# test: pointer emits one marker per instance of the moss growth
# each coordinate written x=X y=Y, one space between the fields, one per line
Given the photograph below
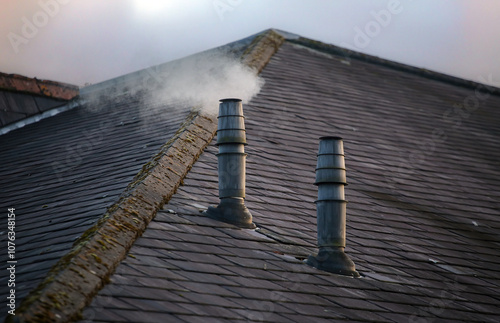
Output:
x=190 y=138
x=173 y=171
x=109 y=239
x=54 y=300
x=103 y=245
x=79 y=316
x=257 y=55
x=96 y=257
x=106 y=280
x=163 y=149
x=77 y=271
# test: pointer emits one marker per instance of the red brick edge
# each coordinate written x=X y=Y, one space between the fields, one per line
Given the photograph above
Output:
x=51 y=89
x=79 y=275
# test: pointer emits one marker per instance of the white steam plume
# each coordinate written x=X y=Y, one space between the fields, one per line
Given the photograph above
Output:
x=202 y=80
x=197 y=81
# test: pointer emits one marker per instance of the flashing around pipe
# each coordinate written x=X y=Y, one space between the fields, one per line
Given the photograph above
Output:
x=331 y=210
x=231 y=139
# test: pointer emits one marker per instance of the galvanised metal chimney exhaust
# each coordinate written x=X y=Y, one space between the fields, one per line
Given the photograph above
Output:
x=231 y=139
x=331 y=209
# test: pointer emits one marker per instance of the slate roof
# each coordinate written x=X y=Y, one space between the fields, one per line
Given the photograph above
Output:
x=423 y=171
x=63 y=172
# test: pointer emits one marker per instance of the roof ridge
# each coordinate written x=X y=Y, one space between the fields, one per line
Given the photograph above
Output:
x=83 y=271
x=107 y=242
x=263 y=47
x=429 y=74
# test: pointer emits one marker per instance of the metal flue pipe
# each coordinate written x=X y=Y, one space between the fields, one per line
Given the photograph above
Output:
x=231 y=140
x=331 y=209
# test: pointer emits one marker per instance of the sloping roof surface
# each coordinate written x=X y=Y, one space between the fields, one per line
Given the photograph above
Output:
x=423 y=212
x=63 y=172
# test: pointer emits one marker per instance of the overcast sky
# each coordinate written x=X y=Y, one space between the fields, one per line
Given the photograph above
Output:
x=88 y=41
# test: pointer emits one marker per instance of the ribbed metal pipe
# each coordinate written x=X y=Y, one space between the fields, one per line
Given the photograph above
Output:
x=331 y=203
x=331 y=209
x=231 y=139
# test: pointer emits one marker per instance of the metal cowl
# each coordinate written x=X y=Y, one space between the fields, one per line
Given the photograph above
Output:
x=231 y=140
x=231 y=122
x=331 y=210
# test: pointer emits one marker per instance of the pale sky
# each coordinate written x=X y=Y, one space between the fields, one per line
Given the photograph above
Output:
x=88 y=41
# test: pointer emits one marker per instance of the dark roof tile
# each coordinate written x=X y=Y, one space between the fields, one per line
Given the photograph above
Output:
x=261 y=316
x=127 y=315
x=203 y=319
x=104 y=316
x=210 y=310
x=206 y=278
x=254 y=272
x=149 y=305
x=209 y=288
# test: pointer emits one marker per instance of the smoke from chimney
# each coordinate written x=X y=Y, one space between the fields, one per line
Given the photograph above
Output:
x=197 y=81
